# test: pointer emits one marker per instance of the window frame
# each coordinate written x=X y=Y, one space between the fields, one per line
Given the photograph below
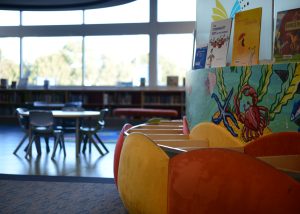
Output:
x=153 y=28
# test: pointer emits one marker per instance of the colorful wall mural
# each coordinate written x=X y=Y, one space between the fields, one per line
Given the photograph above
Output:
x=248 y=101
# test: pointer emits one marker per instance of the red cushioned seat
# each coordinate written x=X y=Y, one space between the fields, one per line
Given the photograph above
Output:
x=118 y=150
x=145 y=112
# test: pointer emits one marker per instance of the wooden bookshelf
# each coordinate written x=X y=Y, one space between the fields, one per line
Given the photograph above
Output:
x=95 y=98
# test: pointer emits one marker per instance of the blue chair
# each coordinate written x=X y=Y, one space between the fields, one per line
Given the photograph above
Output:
x=68 y=125
x=41 y=124
x=24 y=124
x=89 y=129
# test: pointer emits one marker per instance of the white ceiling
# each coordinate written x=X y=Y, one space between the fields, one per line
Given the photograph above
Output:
x=40 y=5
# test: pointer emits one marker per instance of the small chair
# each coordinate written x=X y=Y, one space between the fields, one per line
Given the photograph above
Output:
x=24 y=124
x=89 y=129
x=41 y=124
x=74 y=105
x=68 y=125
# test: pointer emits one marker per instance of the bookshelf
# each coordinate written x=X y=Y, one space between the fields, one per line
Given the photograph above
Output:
x=94 y=98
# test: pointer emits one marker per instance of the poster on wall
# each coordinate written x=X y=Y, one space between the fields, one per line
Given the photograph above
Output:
x=287 y=36
x=209 y=11
x=246 y=38
x=218 y=43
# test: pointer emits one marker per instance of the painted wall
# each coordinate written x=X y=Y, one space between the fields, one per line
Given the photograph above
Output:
x=247 y=101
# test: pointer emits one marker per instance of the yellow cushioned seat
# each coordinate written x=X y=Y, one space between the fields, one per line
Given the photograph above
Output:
x=217 y=136
x=143 y=175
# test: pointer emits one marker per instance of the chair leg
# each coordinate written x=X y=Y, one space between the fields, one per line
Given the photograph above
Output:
x=95 y=144
x=101 y=142
x=90 y=146
x=26 y=147
x=59 y=142
x=80 y=141
x=55 y=147
x=21 y=142
x=85 y=140
x=29 y=147
x=38 y=145
x=62 y=139
x=47 y=144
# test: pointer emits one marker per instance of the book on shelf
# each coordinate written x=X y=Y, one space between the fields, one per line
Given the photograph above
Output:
x=172 y=81
x=287 y=36
x=246 y=37
x=218 y=43
x=200 y=57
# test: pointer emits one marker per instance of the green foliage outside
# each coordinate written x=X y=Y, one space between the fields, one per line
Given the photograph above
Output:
x=8 y=69
x=65 y=67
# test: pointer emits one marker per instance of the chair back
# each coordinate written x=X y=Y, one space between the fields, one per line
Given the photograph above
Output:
x=39 y=104
x=103 y=114
x=41 y=119
x=73 y=106
x=95 y=122
x=23 y=120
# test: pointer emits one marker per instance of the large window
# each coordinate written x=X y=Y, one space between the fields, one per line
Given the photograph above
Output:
x=57 y=59
x=174 y=56
x=116 y=60
x=134 y=12
x=176 y=10
x=52 y=18
x=10 y=59
x=101 y=47
x=9 y=18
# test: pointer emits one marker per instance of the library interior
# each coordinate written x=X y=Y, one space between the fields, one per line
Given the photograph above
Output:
x=160 y=106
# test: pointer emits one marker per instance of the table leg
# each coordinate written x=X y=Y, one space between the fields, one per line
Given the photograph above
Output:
x=77 y=137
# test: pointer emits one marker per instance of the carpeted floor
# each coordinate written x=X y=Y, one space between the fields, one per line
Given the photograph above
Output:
x=58 y=194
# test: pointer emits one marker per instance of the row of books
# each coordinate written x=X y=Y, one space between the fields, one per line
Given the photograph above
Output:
x=246 y=40
x=51 y=98
x=9 y=98
x=163 y=99
x=105 y=98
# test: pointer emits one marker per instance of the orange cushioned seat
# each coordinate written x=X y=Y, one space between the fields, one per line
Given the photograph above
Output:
x=279 y=143
x=224 y=181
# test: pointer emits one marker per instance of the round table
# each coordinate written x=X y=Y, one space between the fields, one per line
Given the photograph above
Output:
x=76 y=115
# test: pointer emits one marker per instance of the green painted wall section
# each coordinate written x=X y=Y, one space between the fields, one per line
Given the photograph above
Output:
x=253 y=100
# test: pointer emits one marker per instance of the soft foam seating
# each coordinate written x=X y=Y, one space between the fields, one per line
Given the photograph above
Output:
x=224 y=181
x=209 y=180
x=145 y=112
x=280 y=143
x=118 y=150
x=143 y=175
x=217 y=136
